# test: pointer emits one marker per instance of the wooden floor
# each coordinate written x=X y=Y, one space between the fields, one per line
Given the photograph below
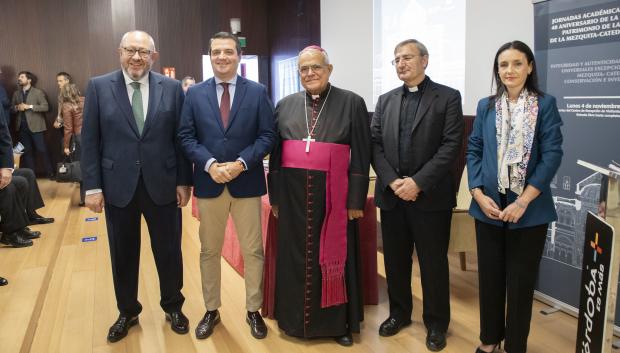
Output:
x=60 y=299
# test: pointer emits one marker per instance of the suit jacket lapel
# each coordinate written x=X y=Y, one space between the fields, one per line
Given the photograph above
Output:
x=425 y=103
x=155 y=94
x=240 y=90
x=212 y=102
x=392 y=116
x=119 y=91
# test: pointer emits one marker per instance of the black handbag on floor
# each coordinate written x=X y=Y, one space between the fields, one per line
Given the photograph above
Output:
x=68 y=171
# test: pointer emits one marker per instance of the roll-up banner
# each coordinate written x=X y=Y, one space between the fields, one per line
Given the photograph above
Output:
x=577 y=45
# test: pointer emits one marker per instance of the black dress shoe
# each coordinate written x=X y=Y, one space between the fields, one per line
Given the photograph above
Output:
x=27 y=233
x=206 y=325
x=119 y=329
x=178 y=322
x=3 y=281
x=258 y=329
x=435 y=340
x=392 y=326
x=36 y=218
x=346 y=340
x=15 y=240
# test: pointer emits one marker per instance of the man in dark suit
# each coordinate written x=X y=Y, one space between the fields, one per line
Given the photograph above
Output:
x=227 y=128
x=416 y=130
x=133 y=165
x=30 y=104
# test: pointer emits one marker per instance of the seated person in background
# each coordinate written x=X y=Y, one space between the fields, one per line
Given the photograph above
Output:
x=27 y=185
x=13 y=218
x=14 y=222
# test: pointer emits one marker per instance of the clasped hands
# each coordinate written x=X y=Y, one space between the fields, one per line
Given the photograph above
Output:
x=406 y=189
x=512 y=213
x=225 y=172
x=22 y=107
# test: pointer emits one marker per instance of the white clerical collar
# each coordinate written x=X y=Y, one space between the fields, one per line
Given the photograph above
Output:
x=413 y=89
x=315 y=96
x=232 y=81
x=143 y=81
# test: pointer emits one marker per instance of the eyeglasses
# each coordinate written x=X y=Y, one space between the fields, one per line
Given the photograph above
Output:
x=404 y=58
x=144 y=53
x=304 y=70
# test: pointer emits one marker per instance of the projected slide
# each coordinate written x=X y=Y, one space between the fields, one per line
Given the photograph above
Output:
x=439 y=24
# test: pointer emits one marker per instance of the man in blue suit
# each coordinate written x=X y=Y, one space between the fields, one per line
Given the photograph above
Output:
x=133 y=166
x=227 y=128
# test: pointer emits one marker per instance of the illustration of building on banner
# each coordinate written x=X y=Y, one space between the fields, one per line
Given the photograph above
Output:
x=565 y=236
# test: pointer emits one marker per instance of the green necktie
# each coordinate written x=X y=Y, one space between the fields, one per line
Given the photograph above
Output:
x=136 y=106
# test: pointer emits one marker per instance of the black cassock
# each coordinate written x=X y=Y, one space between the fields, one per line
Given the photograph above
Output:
x=300 y=196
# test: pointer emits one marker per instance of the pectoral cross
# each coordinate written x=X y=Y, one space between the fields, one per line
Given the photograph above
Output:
x=308 y=140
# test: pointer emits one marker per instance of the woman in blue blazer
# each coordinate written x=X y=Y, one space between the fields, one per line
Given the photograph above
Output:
x=513 y=153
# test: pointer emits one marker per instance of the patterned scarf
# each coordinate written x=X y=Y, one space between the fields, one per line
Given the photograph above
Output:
x=515 y=133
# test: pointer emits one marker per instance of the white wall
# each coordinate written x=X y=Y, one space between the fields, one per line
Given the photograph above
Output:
x=346 y=34
x=489 y=24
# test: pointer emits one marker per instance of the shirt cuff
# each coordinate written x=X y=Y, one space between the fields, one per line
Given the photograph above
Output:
x=209 y=162
x=93 y=191
x=245 y=165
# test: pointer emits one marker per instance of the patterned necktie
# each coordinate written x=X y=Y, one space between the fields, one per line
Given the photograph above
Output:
x=225 y=104
x=136 y=106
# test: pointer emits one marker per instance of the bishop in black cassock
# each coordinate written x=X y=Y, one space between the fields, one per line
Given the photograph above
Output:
x=322 y=114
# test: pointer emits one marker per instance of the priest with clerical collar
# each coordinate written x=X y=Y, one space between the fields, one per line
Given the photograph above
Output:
x=318 y=182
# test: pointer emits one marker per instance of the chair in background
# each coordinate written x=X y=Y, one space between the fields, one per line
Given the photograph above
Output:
x=462 y=232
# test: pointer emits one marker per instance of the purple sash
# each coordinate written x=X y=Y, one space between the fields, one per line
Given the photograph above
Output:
x=333 y=159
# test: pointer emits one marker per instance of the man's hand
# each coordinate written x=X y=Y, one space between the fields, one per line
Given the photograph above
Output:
x=183 y=195
x=219 y=173
x=57 y=124
x=94 y=202
x=355 y=214
x=275 y=210
x=5 y=177
x=67 y=151
x=20 y=107
x=408 y=190
x=234 y=168
x=396 y=184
